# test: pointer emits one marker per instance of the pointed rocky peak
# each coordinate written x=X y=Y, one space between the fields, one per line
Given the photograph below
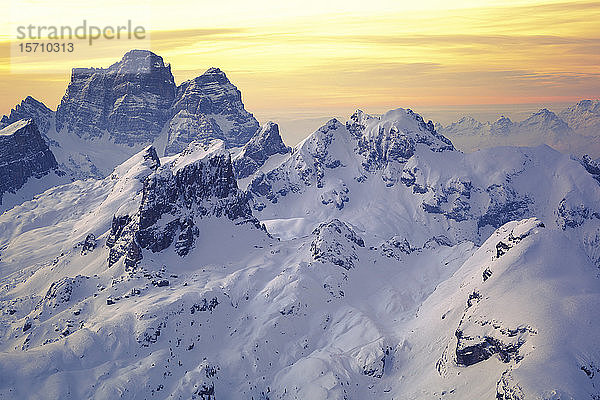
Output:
x=542 y=115
x=30 y=108
x=584 y=106
x=216 y=74
x=264 y=144
x=358 y=122
x=503 y=121
x=23 y=154
x=139 y=62
x=466 y=125
x=502 y=126
x=326 y=145
x=336 y=242
x=395 y=136
x=213 y=102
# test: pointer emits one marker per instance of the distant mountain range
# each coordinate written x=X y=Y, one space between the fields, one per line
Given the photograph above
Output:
x=575 y=129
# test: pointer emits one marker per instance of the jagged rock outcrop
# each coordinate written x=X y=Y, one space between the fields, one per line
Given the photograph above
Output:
x=209 y=106
x=130 y=99
x=264 y=144
x=336 y=242
x=200 y=183
x=30 y=108
x=358 y=122
x=23 y=155
x=591 y=166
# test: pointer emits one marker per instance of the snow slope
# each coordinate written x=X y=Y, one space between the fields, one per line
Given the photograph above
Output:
x=392 y=266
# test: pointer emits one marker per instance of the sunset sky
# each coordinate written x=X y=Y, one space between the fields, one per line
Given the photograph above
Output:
x=295 y=60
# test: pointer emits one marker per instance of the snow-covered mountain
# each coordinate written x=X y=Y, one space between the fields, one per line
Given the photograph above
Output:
x=372 y=261
x=583 y=117
x=574 y=130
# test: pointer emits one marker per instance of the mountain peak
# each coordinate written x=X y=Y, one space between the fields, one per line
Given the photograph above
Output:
x=265 y=143
x=214 y=71
x=212 y=103
x=139 y=61
x=30 y=108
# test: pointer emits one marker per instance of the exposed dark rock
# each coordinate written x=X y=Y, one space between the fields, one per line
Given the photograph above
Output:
x=264 y=144
x=508 y=389
x=503 y=246
x=336 y=196
x=180 y=196
x=89 y=244
x=130 y=100
x=209 y=107
x=336 y=242
x=358 y=122
x=573 y=215
x=61 y=291
x=309 y=165
x=396 y=247
x=205 y=305
x=487 y=273
x=451 y=200
x=23 y=155
x=397 y=143
x=505 y=205
x=591 y=166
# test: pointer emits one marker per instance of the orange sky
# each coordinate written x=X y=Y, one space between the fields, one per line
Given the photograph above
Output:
x=313 y=58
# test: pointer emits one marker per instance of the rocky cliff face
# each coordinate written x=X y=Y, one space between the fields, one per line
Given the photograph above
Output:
x=23 y=154
x=591 y=166
x=264 y=144
x=198 y=184
x=130 y=99
x=209 y=106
